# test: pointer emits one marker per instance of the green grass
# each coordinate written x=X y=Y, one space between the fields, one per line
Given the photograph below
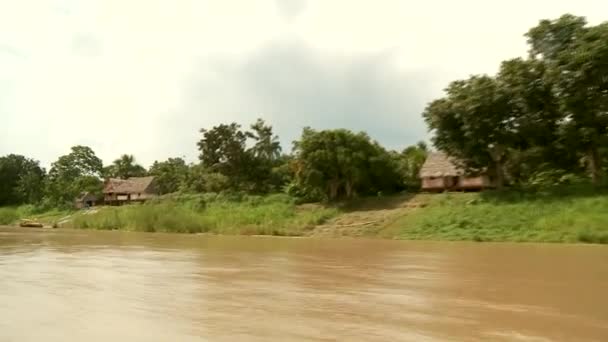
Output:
x=248 y=215
x=12 y=215
x=563 y=214
x=550 y=216
x=8 y=215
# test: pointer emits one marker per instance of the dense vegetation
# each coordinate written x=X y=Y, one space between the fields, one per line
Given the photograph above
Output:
x=544 y=117
x=540 y=122
x=324 y=165
x=564 y=214
x=211 y=213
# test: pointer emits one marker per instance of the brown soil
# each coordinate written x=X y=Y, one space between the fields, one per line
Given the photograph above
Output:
x=369 y=217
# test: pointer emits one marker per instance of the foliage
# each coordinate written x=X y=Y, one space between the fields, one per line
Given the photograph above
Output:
x=340 y=163
x=474 y=123
x=72 y=174
x=124 y=167
x=578 y=215
x=575 y=55
x=266 y=146
x=169 y=175
x=221 y=214
x=21 y=180
x=554 y=104
x=409 y=162
x=223 y=149
x=8 y=215
x=198 y=179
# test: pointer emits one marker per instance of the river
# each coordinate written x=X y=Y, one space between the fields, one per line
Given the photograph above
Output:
x=111 y=286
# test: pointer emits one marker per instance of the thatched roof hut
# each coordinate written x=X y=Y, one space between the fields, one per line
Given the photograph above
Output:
x=128 y=186
x=85 y=199
x=439 y=164
x=132 y=189
x=441 y=172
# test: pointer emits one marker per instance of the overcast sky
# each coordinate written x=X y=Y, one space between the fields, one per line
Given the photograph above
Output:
x=143 y=76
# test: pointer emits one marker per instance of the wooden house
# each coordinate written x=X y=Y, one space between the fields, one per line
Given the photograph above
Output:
x=86 y=200
x=135 y=189
x=442 y=173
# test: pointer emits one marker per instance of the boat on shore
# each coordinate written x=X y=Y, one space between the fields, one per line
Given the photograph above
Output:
x=30 y=224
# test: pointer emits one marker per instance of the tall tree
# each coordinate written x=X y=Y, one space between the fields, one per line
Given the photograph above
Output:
x=222 y=149
x=125 y=167
x=409 y=163
x=576 y=55
x=340 y=163
x=169 y=175
x=474 y=122
x=73 y=173
x=267 y=145
x=21 y=180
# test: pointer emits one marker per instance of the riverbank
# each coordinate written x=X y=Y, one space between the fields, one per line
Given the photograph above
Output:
x=567 y=215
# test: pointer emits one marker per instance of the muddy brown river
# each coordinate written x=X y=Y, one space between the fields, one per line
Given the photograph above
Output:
x=112 y=286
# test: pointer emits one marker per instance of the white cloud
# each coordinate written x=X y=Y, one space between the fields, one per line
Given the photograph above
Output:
x=142 y=77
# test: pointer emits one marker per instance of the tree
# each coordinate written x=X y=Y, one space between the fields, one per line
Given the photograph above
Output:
x=72 y=174
x=339 y=163
x=222 y=149
x=21 y=180
x=124 y=167
x=200 y=179
x=267 y=145
x=474 y=123
x=80 y=161
x=575 y=55
x=169 y=175
x=409 y=162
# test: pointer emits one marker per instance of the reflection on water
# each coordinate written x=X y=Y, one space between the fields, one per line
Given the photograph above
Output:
x=109 y=286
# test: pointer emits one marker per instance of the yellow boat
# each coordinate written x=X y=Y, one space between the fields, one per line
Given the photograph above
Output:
x=30 y=224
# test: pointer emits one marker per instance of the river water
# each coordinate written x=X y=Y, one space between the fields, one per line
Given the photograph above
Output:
x=112 y=286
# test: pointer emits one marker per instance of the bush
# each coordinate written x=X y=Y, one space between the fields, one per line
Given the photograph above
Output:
x=588 y=236
x=8 y=215
x=226 y=214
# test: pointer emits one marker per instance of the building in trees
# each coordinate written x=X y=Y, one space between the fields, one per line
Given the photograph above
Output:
x=118 y=191
x=85 y=200
x=441 y=172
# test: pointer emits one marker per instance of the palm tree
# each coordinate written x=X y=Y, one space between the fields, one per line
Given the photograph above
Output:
x=126 y=167
x=267 y=145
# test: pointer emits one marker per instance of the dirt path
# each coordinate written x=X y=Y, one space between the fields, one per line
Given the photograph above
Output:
x=370 y=217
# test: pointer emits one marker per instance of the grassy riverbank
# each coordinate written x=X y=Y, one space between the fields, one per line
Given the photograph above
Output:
x=559 y=215
x=11 y=215
x=566 y=214
x=218 y=214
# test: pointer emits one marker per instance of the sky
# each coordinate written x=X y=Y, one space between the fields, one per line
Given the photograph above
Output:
x=142 y=77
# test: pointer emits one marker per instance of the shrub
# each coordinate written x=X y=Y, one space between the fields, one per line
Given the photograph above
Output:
x=8 y=215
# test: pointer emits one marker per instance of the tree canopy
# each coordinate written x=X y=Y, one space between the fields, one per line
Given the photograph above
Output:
x=124 y=167
x=71 y=174
x=340 y=163
x=551 y=108
x=21 y=180
x=170 y=174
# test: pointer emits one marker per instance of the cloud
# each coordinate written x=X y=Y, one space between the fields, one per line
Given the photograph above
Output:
x=143 y=76
x=291 y=85
x=291 y=8
x=87 y=44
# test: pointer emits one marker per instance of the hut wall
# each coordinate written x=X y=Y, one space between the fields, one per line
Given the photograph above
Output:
x=429 y=183
x=475 y=183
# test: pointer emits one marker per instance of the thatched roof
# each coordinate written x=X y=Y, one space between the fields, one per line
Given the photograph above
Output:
x=86 y=196
x=438 y=164
x=132 y=185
